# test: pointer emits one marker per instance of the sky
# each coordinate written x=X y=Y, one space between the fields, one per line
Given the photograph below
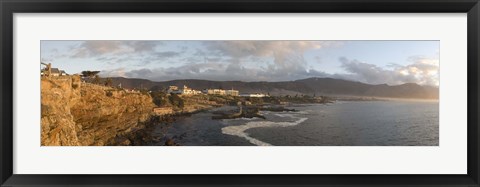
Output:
x=372 y=62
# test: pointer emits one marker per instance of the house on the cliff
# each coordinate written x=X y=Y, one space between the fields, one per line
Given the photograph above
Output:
x=185 y=91
x=49 y=71
x=57 y=72
x=189 y=91
x=173 y=89
x=254 y=95
x=231 y=92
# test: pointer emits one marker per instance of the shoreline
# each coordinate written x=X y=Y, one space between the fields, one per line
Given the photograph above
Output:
x=366 y=98
x=143 y=136
x=259 y=132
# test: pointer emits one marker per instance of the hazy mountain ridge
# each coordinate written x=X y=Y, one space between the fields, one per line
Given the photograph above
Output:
x=310 y=86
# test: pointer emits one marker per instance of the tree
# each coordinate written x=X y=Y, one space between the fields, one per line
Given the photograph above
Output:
x=96 y=80
x=176 y=100
x=108 y=82
x=90 y=73
x=159 y=98
x=256 y=100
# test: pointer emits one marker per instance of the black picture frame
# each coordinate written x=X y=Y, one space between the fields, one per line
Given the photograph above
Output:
x=9 y=7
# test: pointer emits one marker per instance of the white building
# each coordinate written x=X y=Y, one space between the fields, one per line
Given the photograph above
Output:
x=185 y=91
x=231 y=92
x=57 y=72
x=254 y=95
x=214 y=91
x=173 y=89
x=188 y=91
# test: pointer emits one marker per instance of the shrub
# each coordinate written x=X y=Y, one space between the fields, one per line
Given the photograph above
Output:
x=160 y=98
x=176 y=100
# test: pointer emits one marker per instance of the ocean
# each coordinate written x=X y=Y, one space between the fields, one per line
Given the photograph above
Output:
x=344 y=123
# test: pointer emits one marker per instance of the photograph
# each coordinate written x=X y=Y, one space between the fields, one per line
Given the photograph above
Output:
x=239 y=92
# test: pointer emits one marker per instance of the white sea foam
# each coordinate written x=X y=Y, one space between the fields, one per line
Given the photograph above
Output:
x=240 y=119
x=303 y=112
x=284 y=115
x=264 y=112
x=240 y=130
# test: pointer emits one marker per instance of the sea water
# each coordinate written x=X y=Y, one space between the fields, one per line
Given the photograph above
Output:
x=344 y=123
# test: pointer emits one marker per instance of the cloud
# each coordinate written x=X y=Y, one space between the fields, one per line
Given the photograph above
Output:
x=240 y=49
x=144 y=72
x=318 y=59
x=288 y=58
x=222 y=71
x=237 y=60
x=142 y=46
x=46 y=60
x=95 y=48
x=244 y=60
x=52 y=55
x=422 y=70
x=109 y=60
x=155 y=58
x=166 y=54
x=119 y=72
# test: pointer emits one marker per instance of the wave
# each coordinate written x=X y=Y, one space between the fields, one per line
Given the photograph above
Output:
x=284 y=115
x=304 y=112
x=240 y=130
x=240 y=119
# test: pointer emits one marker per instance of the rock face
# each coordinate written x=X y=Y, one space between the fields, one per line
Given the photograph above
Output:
x=77 y=114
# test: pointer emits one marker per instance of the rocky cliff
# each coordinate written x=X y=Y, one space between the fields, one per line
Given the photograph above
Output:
x=75 y=113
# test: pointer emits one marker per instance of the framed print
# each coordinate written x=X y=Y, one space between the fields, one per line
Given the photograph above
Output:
x=257 y=93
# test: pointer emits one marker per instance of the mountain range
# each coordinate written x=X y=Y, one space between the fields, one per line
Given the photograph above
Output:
x=309 y=86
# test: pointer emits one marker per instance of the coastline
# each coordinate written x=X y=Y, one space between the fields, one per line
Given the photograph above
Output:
x=142 y=135
x=312 y=125
x=216 y=110
x=364 y=98
x=103 y=115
